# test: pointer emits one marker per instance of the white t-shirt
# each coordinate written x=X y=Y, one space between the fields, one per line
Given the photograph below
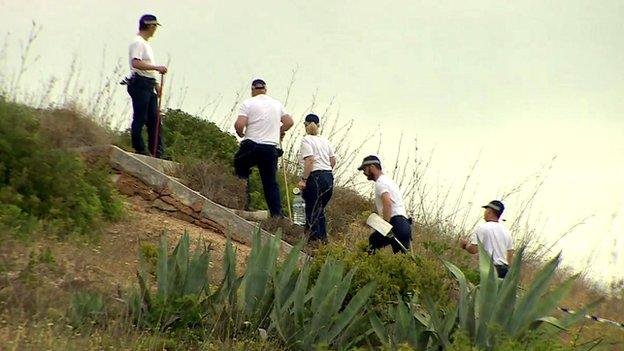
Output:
x=320 y=148
x=385 y=184
x=495 y=239
x=264 y=119
x=140 y=49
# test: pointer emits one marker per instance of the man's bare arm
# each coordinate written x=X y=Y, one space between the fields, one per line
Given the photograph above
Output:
x=510 y=254
x=239 y=125
x=287 y=122
x=386 y=201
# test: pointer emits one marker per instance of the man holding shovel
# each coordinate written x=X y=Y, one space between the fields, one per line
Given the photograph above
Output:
x=144 y=89
x=494 y=237
x=389 y=204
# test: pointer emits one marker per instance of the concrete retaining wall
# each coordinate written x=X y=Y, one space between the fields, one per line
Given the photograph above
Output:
x=151 y=172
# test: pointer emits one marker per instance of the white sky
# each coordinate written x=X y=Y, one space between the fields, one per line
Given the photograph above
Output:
x=511 y=83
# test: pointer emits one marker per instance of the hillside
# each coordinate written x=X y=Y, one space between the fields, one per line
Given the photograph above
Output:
x=82 y=267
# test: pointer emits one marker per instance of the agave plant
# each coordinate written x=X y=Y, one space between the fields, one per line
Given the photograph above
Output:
x=407 y=325
x=181 y=278
x=244 y=303
x=496 y=304
x=304 y=317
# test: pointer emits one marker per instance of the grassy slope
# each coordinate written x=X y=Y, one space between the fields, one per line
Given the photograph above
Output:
x=38 y=275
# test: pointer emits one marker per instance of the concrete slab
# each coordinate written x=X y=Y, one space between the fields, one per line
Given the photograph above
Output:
x=151 y=173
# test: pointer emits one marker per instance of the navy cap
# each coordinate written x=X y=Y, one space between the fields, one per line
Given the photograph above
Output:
x=369 y=160
x=149 y=19
x=312 y=118
x=497 y=206
x=258 y=83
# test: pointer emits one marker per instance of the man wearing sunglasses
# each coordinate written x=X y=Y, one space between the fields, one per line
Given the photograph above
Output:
x=262 y=122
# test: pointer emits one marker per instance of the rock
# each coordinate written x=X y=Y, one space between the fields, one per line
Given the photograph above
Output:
x=197 y=206
x=160 y=204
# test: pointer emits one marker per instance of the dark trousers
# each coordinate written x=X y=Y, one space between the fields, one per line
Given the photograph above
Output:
x=145 y=112
x=402 y=230
x=501 y=270
x=317 y=193
x=263 y=156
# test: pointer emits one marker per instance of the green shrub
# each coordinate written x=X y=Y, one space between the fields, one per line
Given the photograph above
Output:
x=187 y=136
x=49 y=184
x=86 y=309
x=396 y=275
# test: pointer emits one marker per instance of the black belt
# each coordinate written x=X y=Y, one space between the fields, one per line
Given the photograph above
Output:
x=321 y=171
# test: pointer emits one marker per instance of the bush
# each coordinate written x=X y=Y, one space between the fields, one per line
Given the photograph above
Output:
x=86 y=309
x=46 y=183
x=190 y=137
x=214 y=179
x=396 y=275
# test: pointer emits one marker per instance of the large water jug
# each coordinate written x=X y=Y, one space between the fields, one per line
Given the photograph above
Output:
x=298 y=207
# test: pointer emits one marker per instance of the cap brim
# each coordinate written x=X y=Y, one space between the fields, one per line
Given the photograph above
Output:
x=491 y=207
x=368 y=163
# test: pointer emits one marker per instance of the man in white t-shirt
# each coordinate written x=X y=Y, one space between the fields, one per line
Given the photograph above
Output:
x=389 y=204
x=262 y=122
x=494 y=237
x=144 y=89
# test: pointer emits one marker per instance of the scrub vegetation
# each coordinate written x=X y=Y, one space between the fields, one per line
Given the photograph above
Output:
x=58 y=209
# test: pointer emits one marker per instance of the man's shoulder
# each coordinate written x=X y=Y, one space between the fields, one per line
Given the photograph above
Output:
x=384 y=181
x=492 y=226
x=137 y=39
x=384 y=178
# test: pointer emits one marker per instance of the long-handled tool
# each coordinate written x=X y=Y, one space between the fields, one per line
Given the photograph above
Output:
x=384 y=228
x=286 y=185
x=157 y=130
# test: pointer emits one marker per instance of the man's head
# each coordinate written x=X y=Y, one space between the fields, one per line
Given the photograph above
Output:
x=258 y=86
x=371 y=166
x=493 y=210
x=148 y=24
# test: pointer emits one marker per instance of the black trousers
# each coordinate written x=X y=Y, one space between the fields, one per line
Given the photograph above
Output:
x=145 y=112
x=501 y=270
x=263 y=156
x=402 y=231
x=317 y=193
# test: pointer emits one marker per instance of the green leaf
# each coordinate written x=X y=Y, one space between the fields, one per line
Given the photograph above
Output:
x=508 y=293
x=354 y=307
x=464 y=292
x=486 y=297
x=379 y=328
x=162 y=269
x=525 y=309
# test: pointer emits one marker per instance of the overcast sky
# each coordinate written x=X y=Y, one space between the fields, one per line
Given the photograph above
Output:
x=513 y=84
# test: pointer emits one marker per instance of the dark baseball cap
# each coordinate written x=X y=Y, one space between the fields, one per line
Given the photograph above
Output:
x=496 y=205
x=369 y=160
x=149 y=19
x=258 y=83
x=312 y=118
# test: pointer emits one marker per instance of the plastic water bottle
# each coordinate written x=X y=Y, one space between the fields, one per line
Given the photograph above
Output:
x=298 y=207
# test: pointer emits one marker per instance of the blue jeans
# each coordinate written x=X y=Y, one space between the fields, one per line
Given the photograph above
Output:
x=402 y=231
x=263 y=156
x=145 y=112
x=317 y=193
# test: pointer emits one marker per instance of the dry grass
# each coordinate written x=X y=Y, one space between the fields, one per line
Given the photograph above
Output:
x=38 y=277
x=215 y=180
x=66 y=128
